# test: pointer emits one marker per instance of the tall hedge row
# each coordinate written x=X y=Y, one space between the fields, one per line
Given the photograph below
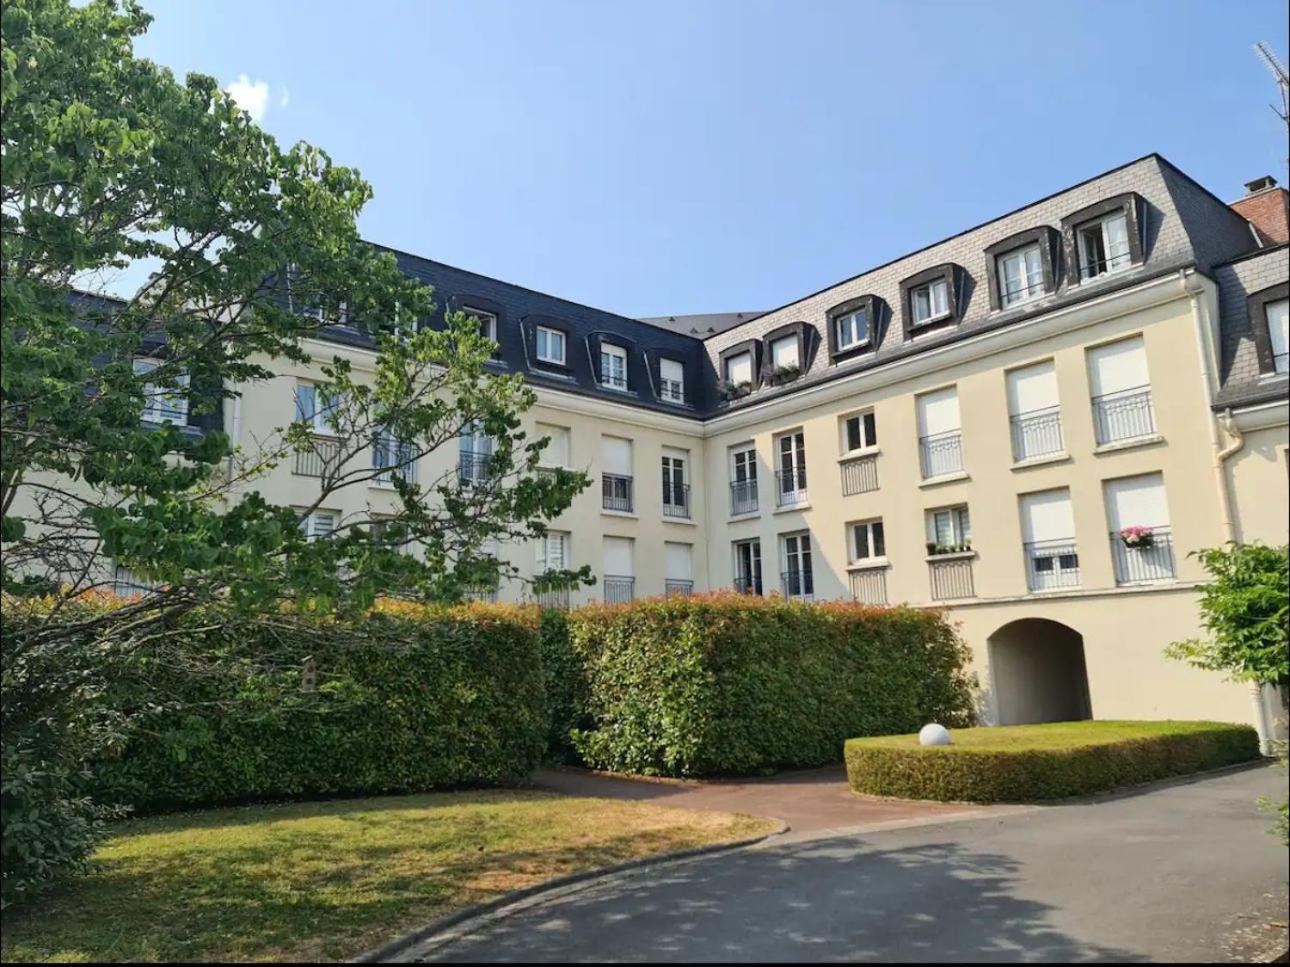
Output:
x=722 y=684
x=408 y=699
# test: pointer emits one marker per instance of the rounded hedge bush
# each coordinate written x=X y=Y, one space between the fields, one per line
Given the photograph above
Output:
x=1039 y=762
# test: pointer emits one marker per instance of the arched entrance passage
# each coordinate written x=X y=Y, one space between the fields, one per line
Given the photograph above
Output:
x=1038 y=674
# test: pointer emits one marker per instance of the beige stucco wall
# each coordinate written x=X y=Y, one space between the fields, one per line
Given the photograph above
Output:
x=1259 y=478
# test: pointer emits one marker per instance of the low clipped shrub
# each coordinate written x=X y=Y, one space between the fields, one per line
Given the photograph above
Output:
x=727 y=683
x=1036 y=762
x=407 y=698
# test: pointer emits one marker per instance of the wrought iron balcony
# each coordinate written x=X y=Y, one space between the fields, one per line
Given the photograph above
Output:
x=473 y=467
x=798 y=585
x=557 y=598
x=1124 y=415
x=618 y=588
x=1052 y=564
x=676 y=586
x=743 y=497
x=1149 y=560
x=616 y=492
x=790 y=487
x=859 y=476
x=869 y=586
x=322 y=455
x=941 y=453
x=1036 y=433
x=951 y=578
x=747 y=585
x=676 y=500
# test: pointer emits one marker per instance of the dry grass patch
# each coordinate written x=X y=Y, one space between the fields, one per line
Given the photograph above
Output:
x=326 y=881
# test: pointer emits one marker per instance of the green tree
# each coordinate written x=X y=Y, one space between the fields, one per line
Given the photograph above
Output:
x=1245 y=609
x=110 y=163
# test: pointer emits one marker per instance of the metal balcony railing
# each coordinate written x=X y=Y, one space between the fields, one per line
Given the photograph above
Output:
x=487 y=593
x=676 y=586
x=321 y=456
x=616 y=492
x=614 y=380
x=1036 y=433
x=951 y=578
x=473 y=467
x=869 y=586
x=1090 y=268
x=557 y=598
x=747 y=585
x=394 y=459
x=1012 y=295
x=1051 y=564
x=790 y=487
x=743 y=497
x=798 y=585
x=618 y=588
x=860 y=475
x=940 y=453
x=1146 y=562
x=676 y=500
x=1124 y=415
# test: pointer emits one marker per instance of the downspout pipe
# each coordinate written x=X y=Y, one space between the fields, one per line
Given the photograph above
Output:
x=1194 y=289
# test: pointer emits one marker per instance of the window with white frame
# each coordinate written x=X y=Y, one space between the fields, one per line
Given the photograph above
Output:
x=747 y=565
x=860 y=431
x=393 y=457
x=798 y=578
x=930 y=302
x=1034 y=411
x=743 y=479
x=318 y=524
x=1121 y=385
x=550 y=345
x=1278 y=314
x=553 y=551
x=784 y=356
x=852 y=329
x=676 y=492
x=475 y=451
x=940 y=437
x=613 y=366
x=949 y=529
x=487 y=321
x=790 y=451
x=316 y=407
x=1141 y=539
x=671 y=380
x=678 y=568
x=1103 y=245
x=1021 y=275
x=1048 y=533
x=557 y=451
x=162 y=404
x=739 y=369
x=868 y=541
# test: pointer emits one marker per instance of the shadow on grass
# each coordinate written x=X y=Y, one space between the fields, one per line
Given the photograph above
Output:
x=829 y=899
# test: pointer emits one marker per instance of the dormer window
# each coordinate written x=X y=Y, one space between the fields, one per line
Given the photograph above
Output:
x=613 y=366
x=671 y=381
x=487 y=321
x=1269 y=311
x=739 y=369
x=162 y=403
x=784 y=357
x=852 y=330
x=550 y=345
x=1103 y=245
x=930 y=303
x=1021 y=275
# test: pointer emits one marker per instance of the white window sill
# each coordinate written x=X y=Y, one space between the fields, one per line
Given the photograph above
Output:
x=550 y=362
x=945 y=478
x=1137 y=441
x=627 y=514
x=930 y=321
x=790 y=508
x=869 y=564
x=750 y=515
x=687 y=521
x=1060 y=456
x=625 y=390
x=859 y=454
x=956 y=556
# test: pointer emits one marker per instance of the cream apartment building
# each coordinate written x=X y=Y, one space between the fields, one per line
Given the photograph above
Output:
x=1030 y=425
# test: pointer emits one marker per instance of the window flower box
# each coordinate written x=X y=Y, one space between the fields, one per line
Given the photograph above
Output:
x=735 y=391
x=934 y=549
x=785 y=374
x=1134 y=537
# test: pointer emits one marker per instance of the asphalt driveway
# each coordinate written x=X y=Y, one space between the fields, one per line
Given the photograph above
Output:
x=1182 y=872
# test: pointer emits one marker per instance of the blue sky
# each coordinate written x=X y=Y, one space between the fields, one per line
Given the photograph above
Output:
x=671 y=157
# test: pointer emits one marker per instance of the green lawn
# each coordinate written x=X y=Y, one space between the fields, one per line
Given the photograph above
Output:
x=309 y=881
x=1050 y=735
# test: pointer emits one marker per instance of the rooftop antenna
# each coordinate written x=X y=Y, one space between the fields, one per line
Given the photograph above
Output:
x=1279 y=74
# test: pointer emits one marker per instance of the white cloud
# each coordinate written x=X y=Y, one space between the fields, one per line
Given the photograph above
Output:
x=285 y=99
x=251 y=96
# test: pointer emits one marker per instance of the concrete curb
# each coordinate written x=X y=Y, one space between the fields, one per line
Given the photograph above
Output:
x=389 y=951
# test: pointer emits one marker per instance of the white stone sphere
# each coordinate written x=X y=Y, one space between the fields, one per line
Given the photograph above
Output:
x=933 y=734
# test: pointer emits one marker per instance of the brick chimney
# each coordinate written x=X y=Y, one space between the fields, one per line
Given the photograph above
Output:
x=1265 y=207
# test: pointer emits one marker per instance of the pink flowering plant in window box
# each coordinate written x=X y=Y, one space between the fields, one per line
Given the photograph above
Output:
x=1137 y=536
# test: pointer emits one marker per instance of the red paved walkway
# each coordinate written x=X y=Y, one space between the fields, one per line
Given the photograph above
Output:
x=810 y=801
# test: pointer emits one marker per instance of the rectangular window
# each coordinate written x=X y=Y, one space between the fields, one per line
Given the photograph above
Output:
x=1121 y=391
x=671 y=380
x=868 y=540
x=676 y=493
x=1034 y=411
x=739 y=369
x=949 y=528
x=619 y=579
x=791 y=450
x=162 y=404
x=1279 y=334
x=1103 y=245
x=678 y=568
x=316 y=406
x=861 y=431
x=556 y=453
x=784 y=355
x=318 y=525
x=487 y=322
x=394 y=457
x=616 y=474
x=748 y=566
x=613 y=366
x=475 y=450
x=1021 y=275
x=1048 y=530
x=940 y=440
x=798 y=578
x=553 y=552
x=743 y=480
x=930 y=302
x=1141 y=539
x=852 y=330
x=550 y=345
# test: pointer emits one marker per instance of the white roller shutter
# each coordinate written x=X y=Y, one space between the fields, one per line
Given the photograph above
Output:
x=739 y=369
x=618 y=556
x=556 y=453
x=677 y=562
x=938 y=412
x=616 y=456
x=553 y=551
x=671 y=369
x=783 y=353
x=1118 y=367
x=1136 y=502
x=1047 y=516
x=1032 y=388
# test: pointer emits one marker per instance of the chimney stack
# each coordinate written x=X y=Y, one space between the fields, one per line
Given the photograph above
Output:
x=1260 y=184
x=1265 y=207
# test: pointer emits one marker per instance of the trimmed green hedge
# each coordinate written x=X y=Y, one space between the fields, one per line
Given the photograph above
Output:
x=1034 y=762
x=407 y=699
x=726 y=683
